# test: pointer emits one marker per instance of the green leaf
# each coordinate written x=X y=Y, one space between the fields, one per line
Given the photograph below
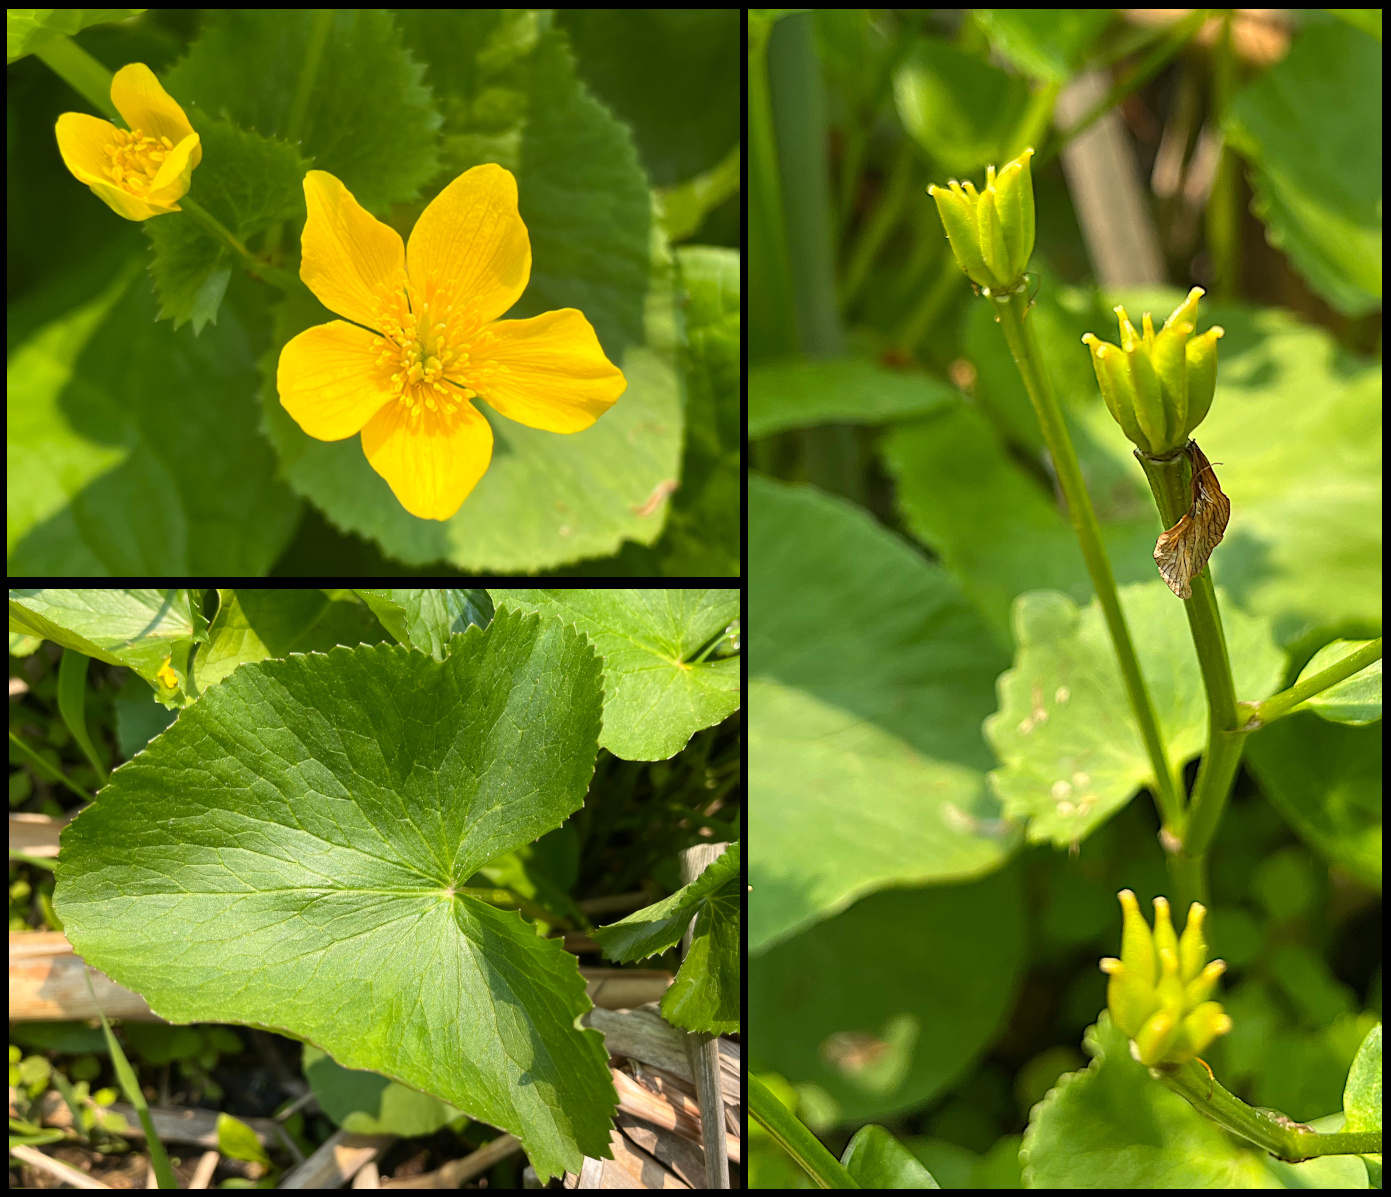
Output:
x=109 y=477
x=287 y=855
x=1320 y=203
x=879 y=1161
x=934 y=977
x=136 y=628
x=1325 y=780
x=253 y=624
x=798 y=394
x=1112 y=1126
x=704 y=535
x=236 y=1139
x=366 y=1103
x=1070 y=752
x=1356 y=699
x=871 y=675
x=426 y=619
x=705 y=995
x=656 y=693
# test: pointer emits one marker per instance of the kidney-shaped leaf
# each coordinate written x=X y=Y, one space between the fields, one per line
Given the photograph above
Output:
x=289 y=854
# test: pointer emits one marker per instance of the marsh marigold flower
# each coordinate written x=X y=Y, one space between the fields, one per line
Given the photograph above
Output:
x=425 y=339
x=141 y=171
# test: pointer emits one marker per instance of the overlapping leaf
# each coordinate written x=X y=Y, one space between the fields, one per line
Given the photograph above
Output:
x=657 y=694
x=289 y=855
x=137 y=628
x=705 y=995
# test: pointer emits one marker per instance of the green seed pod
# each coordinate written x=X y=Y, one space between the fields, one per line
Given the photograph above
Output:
x=991 y=231
x=1158 y=386
x=1159 y=988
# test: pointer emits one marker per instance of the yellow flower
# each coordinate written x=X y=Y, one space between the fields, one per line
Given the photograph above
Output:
x=425 y=339
x=141 y=172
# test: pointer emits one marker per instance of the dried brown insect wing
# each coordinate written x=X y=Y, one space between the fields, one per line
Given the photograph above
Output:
x=1183 y=550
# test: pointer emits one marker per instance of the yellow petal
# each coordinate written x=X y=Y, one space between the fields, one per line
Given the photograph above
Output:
x=471 y=241
x=328 y=382
x=553 y=375
x=145 y=106
x=352 y=262
x=431 y=463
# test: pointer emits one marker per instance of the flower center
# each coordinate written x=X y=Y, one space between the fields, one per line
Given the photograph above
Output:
x=136 y=159
x=432 y=353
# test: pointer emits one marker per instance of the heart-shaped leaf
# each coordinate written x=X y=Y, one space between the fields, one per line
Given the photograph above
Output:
x=292 y=853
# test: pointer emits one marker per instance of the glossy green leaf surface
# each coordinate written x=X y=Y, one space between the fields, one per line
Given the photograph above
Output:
x=287 y=855
x=366 y=1103
x=253 y=624
x=656 y=693
x=705 y=995
x=879 y=1161
x=1326 y=780
x=935 y=973
x=426 y=619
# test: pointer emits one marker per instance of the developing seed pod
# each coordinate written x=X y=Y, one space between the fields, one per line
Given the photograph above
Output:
x=991 y=231
x=1159 y=987
x=1158 y=386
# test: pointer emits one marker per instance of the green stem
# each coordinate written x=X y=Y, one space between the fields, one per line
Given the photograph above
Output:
x=252 y=264
x=1278 y=705
x=1281 y=1136
x=1012 y=312
x=795 y=1139
x=1170 y=480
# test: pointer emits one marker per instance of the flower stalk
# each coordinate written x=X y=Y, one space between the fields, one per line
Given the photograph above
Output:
x=991 y=233
x=1011 y=310
x=1278 y=1134
x=793 y=1137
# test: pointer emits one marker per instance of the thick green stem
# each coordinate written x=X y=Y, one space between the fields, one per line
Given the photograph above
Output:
x=1012 y=312
x=1171 y=481
x=795 y=1139
x=1278 y=1134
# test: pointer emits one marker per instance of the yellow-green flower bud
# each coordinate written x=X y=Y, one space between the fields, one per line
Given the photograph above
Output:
x=1158 y=989
x=991 y=231
x=1158 y=386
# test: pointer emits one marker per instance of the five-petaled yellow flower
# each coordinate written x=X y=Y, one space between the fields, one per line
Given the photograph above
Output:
x=141 y=172
x=425 y=339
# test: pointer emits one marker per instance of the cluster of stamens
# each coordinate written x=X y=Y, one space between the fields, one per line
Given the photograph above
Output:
x=136 y=159
x=431 y=350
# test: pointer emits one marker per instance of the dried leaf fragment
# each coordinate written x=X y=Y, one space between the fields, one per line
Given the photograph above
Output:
x=1183 y=550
